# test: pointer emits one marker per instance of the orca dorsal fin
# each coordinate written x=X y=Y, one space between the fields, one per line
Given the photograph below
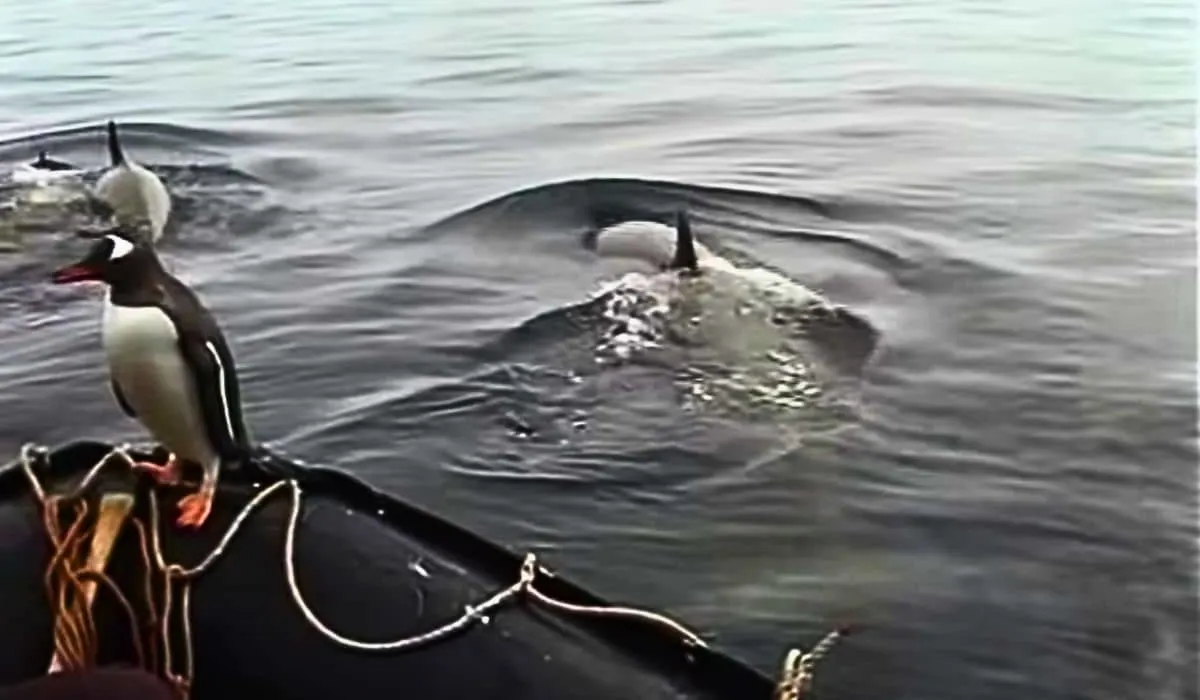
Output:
x=114 y=145
x=685 y=244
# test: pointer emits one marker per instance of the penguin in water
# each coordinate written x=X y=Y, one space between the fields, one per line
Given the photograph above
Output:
x=170 y=367
x=130 y=192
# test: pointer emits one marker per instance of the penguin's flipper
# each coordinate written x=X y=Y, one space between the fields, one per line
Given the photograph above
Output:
x=215 y=380
x=121 y=400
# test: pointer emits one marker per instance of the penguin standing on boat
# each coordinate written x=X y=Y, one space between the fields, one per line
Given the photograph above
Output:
x=130 y=192
x=170 y=367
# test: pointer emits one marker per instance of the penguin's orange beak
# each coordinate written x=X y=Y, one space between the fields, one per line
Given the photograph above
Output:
x=79 y=272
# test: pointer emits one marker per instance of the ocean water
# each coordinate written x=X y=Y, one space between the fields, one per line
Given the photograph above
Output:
x=992 y=471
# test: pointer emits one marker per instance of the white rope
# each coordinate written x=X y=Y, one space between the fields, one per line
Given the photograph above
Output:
x=27 y=460
x=208 y=561
x=795 y=677
x=524 y=584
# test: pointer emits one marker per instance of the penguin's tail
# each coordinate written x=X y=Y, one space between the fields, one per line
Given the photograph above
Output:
x=115 y=154
x=685 y=244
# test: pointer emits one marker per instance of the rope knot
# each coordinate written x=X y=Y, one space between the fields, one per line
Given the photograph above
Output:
x=528 y=570
x=795 y=679
x=796 y=676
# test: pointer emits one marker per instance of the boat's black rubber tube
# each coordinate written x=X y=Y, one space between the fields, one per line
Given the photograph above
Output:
x=373 y=568
x=92 y=684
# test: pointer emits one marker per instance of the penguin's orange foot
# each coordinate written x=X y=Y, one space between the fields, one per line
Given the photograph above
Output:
x=194 y=508
x=165 y=474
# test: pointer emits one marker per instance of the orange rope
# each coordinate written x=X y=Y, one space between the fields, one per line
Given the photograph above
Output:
x=67 y=578
x=100 y=577
x=75 y=636
x=150 y=626
x=74 y=629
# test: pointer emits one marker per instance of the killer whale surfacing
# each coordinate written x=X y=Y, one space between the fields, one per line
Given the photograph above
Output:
x=131 y=192
x=350 y=551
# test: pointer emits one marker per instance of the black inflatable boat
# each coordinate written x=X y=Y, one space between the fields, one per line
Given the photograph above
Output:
x=296 y=582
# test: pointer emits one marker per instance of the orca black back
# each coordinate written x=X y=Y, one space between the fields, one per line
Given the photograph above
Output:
x=45 y=162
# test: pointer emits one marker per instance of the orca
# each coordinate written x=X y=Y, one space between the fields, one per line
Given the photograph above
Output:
x=784 y=306
x=675 y=249
x=45 y=162
x=662 y=246
x=130 y=192
x=44 y=171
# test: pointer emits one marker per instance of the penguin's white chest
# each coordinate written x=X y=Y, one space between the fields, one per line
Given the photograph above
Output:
x=141 y=344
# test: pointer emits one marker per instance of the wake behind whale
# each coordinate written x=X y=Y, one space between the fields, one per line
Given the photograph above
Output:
x=738 y=340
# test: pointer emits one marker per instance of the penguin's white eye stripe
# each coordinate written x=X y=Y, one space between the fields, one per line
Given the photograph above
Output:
x=212 y=350
x=120 y=247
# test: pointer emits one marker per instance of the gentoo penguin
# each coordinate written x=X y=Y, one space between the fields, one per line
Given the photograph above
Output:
x=662 y=246
x=130 y=192
x=169 y=365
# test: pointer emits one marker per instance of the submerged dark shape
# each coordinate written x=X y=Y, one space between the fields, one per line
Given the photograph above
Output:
x=369 y=566
x=45 y=162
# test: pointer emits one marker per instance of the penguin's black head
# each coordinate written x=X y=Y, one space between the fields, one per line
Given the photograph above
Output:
x=114 y=258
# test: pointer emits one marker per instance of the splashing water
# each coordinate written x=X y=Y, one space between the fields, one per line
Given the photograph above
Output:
x=736 y=347
x=635 y=309
x=40 y=207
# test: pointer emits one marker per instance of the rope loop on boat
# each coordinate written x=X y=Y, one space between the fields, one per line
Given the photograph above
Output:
x=174 y=573
x=75 y=634
x=472 y=613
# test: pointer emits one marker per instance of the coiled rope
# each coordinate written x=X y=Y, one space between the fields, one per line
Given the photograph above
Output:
x=69 y=573
x=79 y=637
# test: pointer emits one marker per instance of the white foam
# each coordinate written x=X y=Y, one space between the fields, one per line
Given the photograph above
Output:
x=25 y=174
x=740 y=358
